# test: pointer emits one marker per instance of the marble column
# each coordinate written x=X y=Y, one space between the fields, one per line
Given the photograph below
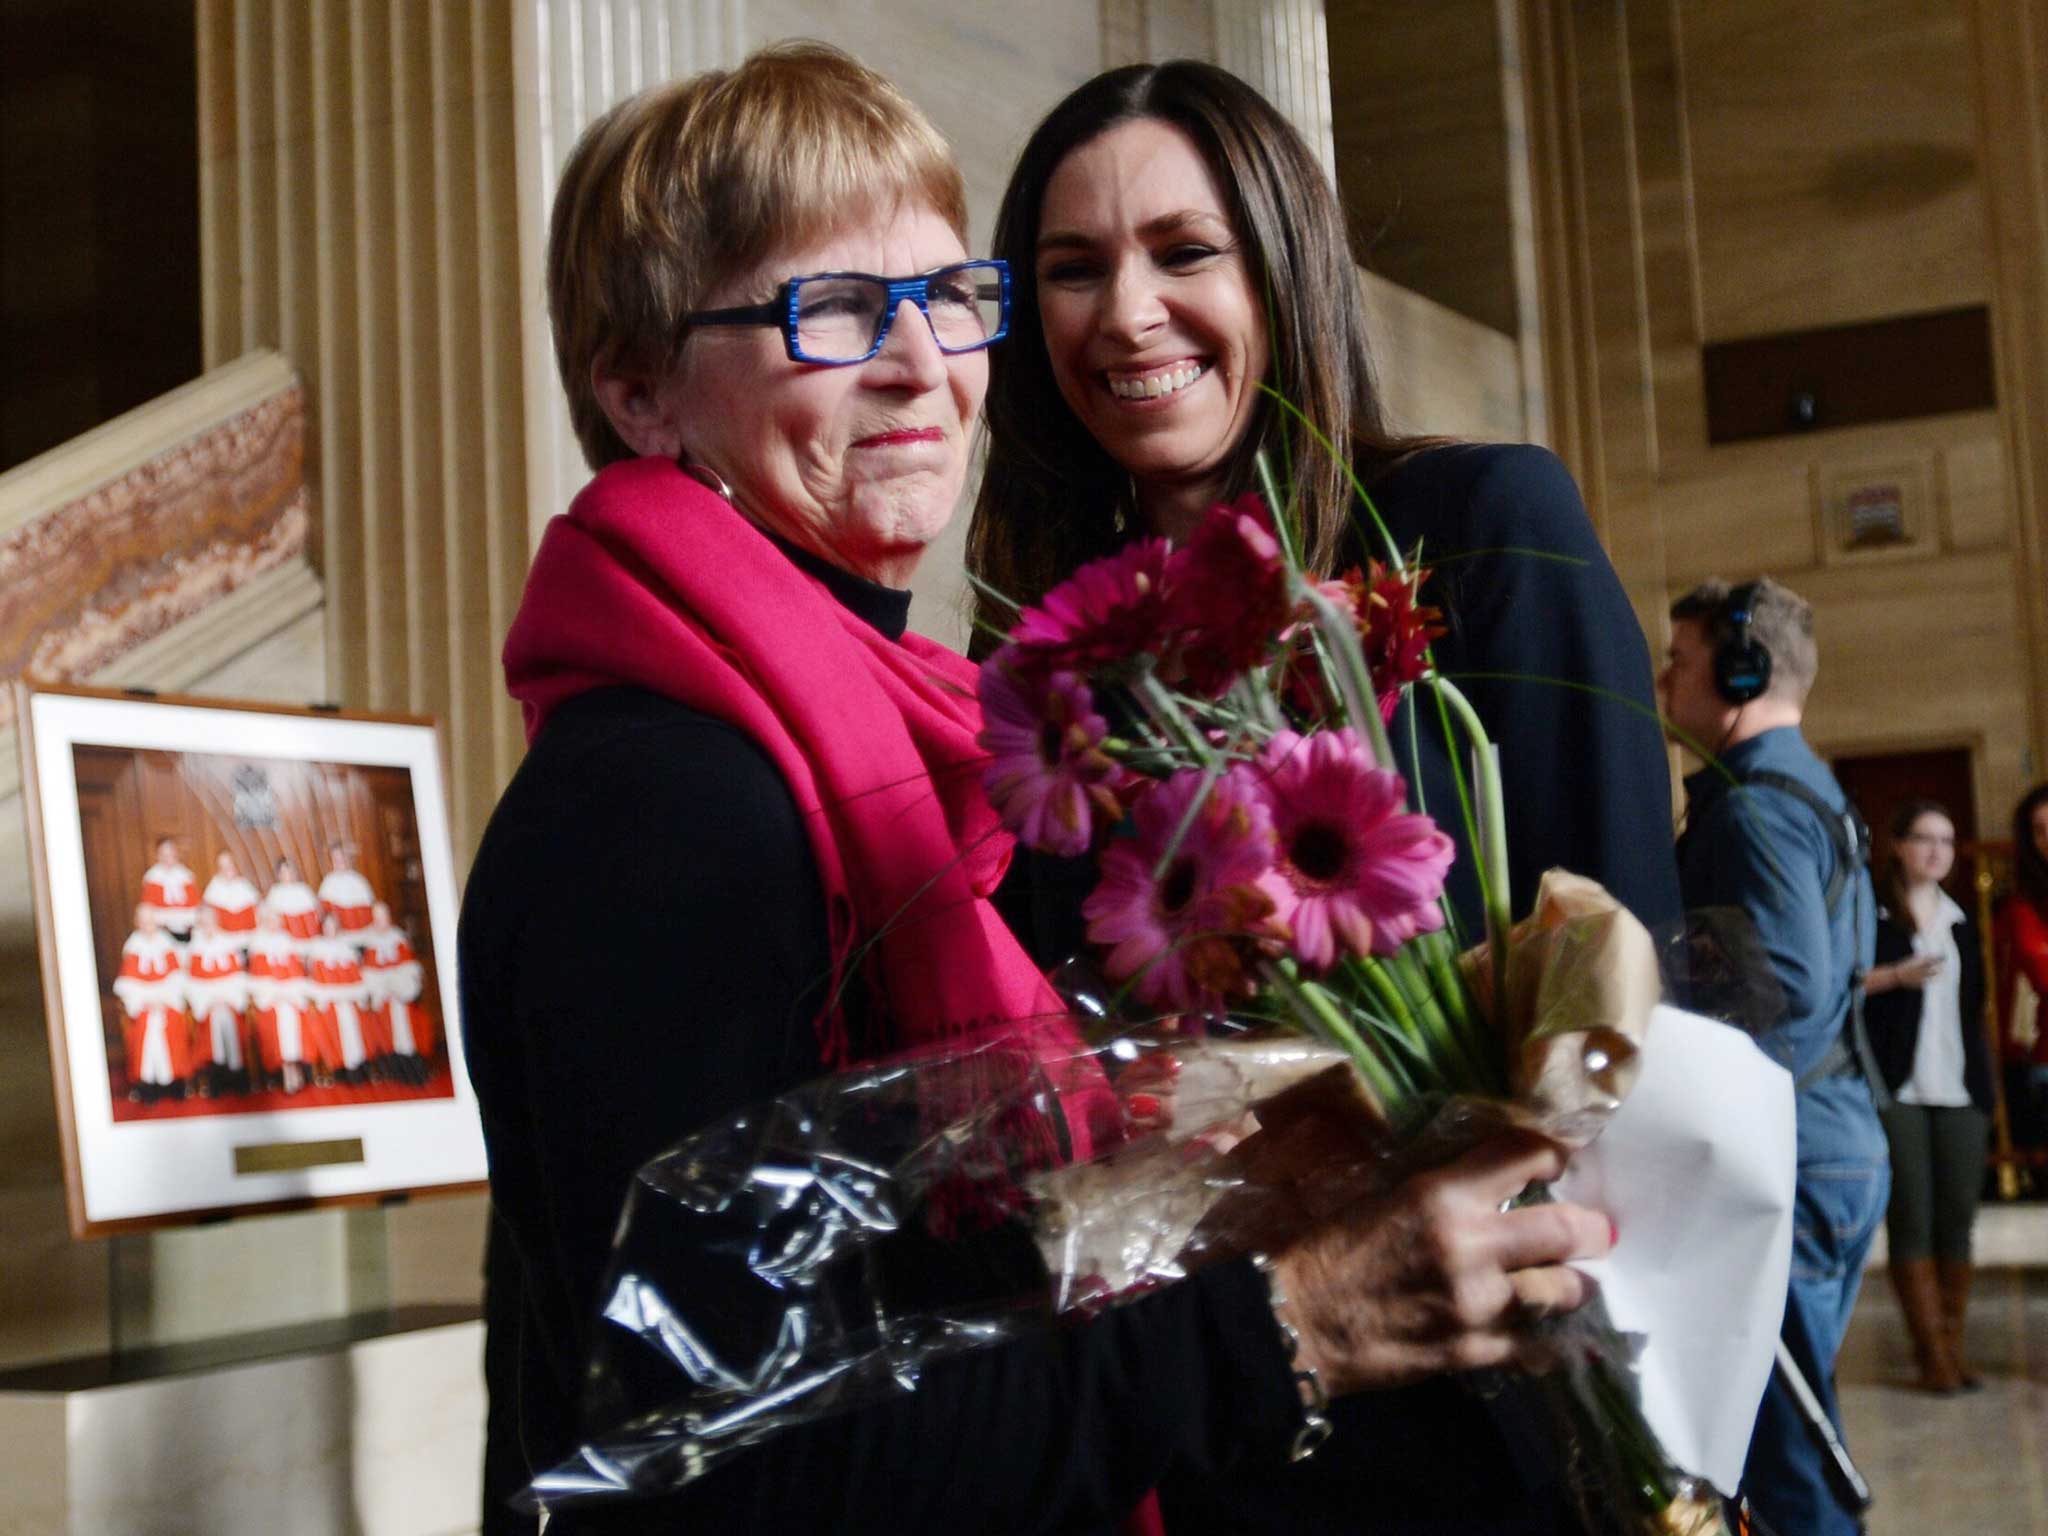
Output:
x=1280 y=46
x=571 y=61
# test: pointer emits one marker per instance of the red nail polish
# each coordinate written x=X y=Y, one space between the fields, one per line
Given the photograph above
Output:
x=1613 y=1232
x=1144 y=1106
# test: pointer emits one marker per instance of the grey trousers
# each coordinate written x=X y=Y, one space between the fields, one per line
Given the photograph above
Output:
x=1937 y=1176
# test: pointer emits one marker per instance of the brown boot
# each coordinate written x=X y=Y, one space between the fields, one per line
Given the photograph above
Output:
x=1920 y=1300
x=1955 y=1276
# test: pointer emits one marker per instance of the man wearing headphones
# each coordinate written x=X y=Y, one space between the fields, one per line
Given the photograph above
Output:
x=1769 y=831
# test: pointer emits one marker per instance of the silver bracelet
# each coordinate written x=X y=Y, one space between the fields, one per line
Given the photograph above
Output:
x=1315 y=1402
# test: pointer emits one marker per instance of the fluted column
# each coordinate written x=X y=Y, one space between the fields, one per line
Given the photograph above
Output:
x=2012 y=57
x=1280 y=46
x=572 y=59
x=1283 y=48
x=358 y=204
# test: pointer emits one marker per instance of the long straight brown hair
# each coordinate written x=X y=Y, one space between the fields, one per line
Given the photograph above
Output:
x=1051 y=499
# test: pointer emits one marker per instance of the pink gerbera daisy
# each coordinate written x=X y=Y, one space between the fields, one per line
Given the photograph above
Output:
x=1108 y=610
x=1187 y=936
x=1365 y=874
x=1049 y=776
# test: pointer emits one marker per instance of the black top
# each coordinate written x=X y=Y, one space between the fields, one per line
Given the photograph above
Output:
x=643 y=950
x=1893 y=1017
x=1544 y=643
x=1527 y=590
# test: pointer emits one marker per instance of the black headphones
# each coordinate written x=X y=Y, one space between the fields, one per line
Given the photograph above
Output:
x=1742 y=667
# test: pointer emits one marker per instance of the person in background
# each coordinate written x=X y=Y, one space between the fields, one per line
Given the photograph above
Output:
x=1768 y=831
x=1926 y=1020
x=279 y=990
x=217 y=992
x=231 y=899
x=158 y=1031
x=336 y=970
x=393 y=977
x=2022 y=948
x=344 y=892
x=297 y=908
x=171 y=890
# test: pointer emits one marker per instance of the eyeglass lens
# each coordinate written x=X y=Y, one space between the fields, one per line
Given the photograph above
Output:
x=837 y=318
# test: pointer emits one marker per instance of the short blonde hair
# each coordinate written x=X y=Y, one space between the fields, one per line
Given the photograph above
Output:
x=673 y=191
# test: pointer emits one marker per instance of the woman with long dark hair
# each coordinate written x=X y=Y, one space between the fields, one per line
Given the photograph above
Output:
x=1925 y=1015
x=1176 y=252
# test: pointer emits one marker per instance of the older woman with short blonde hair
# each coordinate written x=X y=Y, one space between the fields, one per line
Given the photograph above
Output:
x=747 y=844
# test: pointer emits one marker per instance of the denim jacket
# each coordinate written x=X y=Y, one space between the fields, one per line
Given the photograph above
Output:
x=1761 y=850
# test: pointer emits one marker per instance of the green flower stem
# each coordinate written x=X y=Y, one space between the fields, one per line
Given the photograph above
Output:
x=1257 y=702
x=1323 y=1017
x=1493 y=835
x=1454 y=996
x=1167 y=714
x=1448 y=1048
x=1354 y=678
x=1390 y=997
x=1621 y=1421
x=1171 y=851
x=1269 y=487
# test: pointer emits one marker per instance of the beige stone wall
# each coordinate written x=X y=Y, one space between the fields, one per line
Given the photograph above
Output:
x=1717 y=169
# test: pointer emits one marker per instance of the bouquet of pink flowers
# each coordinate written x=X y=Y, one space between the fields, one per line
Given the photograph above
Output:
x=1212 y=722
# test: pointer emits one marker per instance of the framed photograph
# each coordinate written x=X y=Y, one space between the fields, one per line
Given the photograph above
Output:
x=246 y=919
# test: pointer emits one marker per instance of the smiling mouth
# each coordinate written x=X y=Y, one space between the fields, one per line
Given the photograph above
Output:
x=1155 y=383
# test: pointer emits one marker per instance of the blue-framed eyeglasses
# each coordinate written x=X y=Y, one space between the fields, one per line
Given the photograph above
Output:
x=835 y=318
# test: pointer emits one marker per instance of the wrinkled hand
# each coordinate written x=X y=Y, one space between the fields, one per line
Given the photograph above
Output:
x=1432 y=1276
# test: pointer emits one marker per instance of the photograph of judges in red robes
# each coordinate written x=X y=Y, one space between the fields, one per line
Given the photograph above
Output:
x=298 y=972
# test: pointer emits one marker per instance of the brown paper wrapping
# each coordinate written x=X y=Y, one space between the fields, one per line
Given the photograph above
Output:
x=1582 y=979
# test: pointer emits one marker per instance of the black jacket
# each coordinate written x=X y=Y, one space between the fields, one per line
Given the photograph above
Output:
x=1893 y=1017
x=1544 y=643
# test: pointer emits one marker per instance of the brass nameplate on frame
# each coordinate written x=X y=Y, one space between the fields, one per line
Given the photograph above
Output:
x=291 y=1156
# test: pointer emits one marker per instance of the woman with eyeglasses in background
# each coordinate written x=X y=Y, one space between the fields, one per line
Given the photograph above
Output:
x=1925 y=1014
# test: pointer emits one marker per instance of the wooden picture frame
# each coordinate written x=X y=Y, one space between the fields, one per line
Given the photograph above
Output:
x=245 y=915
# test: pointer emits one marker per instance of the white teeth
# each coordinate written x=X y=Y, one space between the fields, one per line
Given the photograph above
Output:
x=1154 y=385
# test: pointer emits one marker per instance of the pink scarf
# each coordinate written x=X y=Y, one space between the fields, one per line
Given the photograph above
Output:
x=653 y=581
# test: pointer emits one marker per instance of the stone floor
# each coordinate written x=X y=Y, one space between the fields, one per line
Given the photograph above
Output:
x=1976 y=1463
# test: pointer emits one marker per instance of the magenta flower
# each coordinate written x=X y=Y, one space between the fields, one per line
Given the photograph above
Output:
x=1109 y=610
x=1049 y=776
x=1230 y=594
x=1365 y=874
x=1188 y=938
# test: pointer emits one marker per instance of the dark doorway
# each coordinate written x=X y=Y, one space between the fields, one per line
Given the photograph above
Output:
x=99 y=214
x=1881 y=783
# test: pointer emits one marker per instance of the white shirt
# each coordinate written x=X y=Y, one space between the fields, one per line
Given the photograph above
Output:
x=1937 y=1080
